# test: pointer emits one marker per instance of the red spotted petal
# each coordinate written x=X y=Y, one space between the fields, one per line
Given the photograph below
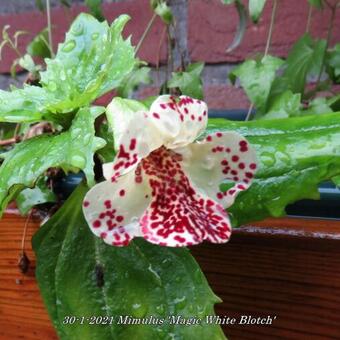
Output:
x=180 y=120
x=220 y=157
x=113 y=210
x=178 y=215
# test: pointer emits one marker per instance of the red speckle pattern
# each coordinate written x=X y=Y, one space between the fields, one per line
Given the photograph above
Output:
x=178 y=215
x=234 y=160
x=183 y=119
x=169 y=194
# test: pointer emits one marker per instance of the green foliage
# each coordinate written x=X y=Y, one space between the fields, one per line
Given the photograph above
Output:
x=189 y=81
x=316 y=3
x=257 y=77
x=39 y=46
x=71 y=150
x=93 y=60
x=107 y=153
x=161 y=8
x=256 y=8
x=294 y=154
x=318 y=106
x=24 y=105
x=138 y=76
x=286 y=104
x=78 y=274
x=95 y=8
x=305 y=58
x=28 y=198
x=333 y=63
x=279 y=94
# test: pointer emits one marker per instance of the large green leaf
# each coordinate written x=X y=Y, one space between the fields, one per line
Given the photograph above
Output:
x=294 y=154
x=189 y=81
x=93 y=59
x=71 y=150
x=29 y=198
x=286 y=104
x=256 y=77
x=305 y=58
x=256 y=8
x=78 y=274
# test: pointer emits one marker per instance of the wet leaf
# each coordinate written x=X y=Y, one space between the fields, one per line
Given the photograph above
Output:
x=78 y=274
x=294 y=154
x=71 y=150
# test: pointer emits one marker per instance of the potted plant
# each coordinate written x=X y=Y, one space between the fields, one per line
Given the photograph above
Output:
x=155 y=176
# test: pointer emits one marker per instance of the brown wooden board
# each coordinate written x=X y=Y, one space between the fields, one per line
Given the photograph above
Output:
x=288 y=268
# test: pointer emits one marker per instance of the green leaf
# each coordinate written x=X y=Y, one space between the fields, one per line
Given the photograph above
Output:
x=29 y=198
x=256 y=8
x=24 y=105
x=256 y=77
x=316 y=3
x=285 y=105
x=78 y=274
x=71 y=150
x=241 y=27
x=40 y=4
x=189 y=81
x=93 y=60
x=162 y=10
x=294 y=154
x=305 y=58
x=318 y=106
x=333 y=63
x=95 y=8
x=133 y=80
x=107 y=153
x=39 y=46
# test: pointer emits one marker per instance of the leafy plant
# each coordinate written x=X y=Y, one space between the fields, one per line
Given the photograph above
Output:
x=189 y=81
x=141 y=280
x=294 y=156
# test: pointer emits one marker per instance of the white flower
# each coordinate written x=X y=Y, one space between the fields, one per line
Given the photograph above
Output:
x=163 y=185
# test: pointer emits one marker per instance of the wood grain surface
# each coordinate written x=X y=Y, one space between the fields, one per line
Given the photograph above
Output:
x=288 y=268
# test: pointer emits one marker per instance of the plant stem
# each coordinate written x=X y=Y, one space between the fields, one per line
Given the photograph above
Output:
x=8 y=141
x=25 y=231
x=49 y=26
x=269 y=40
x=329 y=37
x=147 y=30
x=271 y=27
x=309 y=19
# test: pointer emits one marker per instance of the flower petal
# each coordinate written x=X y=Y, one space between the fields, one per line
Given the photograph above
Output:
x=220 y=157
x=112 y=210
x=138 y=138
x=179 y=121
x=177 y=215
x=137 y=133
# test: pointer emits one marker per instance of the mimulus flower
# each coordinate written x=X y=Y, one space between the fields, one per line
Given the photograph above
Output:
x=163 y=184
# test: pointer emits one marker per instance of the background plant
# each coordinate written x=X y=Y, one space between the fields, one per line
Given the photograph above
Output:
x=51 y=127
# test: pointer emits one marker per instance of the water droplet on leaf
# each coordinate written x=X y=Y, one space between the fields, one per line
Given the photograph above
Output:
x=69 y=46
x=94 y=36
x=78 y=160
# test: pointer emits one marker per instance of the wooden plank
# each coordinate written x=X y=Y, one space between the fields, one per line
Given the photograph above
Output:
x=288 y=268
